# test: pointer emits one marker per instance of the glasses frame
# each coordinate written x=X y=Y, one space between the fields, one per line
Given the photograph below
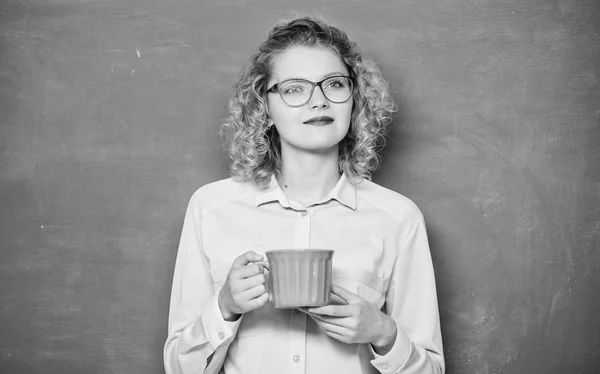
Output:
x=275 y=88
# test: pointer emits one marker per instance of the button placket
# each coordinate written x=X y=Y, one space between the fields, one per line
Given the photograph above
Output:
x=302 y=232
x=297 y=342
x=297 y=337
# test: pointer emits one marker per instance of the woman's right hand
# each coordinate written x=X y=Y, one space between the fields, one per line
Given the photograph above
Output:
x=244 y=289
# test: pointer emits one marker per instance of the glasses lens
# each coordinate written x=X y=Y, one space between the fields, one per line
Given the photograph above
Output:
x=337 y=89
x=295 y=92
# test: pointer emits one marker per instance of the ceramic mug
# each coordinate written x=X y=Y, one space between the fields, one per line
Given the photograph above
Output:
x=299 y=277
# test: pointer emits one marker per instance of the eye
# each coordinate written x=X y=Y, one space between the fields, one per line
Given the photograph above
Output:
x=337 y=83
x=293 y=89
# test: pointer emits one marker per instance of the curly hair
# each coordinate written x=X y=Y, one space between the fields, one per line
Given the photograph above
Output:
x=254 y=147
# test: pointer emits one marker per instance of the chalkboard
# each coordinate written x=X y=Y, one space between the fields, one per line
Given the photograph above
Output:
x=109 y=112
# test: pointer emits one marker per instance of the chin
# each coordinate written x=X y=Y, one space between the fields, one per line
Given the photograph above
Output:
x=315 y=143
x=320 y=147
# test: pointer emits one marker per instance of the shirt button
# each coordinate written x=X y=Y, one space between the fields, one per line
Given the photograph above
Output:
x=304 y=213
x=296 y=358
x=221 y=335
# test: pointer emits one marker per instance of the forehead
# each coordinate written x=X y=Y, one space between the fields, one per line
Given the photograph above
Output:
x=311 y=63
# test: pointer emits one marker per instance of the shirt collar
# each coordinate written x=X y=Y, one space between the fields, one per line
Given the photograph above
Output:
x=344 y=192
x=272 y=193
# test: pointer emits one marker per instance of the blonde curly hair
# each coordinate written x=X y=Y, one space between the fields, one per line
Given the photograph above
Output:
x=254 y=147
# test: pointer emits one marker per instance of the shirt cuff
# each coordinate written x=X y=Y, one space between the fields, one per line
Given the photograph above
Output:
x=218 y=331
x=397 y=357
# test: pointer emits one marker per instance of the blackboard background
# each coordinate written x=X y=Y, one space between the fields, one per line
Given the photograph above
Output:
x=109 y=112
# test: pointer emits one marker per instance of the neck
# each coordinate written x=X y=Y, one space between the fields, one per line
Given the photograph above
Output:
x=308 y=176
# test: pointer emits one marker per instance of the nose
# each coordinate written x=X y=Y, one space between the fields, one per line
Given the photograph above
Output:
x=318 y=99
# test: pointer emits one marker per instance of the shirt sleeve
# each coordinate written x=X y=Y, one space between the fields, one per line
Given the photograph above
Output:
x=411 y=300
x=198 y=336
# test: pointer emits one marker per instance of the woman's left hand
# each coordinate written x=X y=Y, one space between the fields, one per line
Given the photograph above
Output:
x=358 y=321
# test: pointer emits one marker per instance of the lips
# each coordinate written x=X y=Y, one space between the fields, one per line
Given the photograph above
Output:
x=319 y=121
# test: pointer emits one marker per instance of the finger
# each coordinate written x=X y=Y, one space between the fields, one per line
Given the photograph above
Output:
x=241 y=285
x=246 y=271
x=333 y=310
x=253 y=292
x=257 y=302
x=328 y=327
x=345 y=322
x=246 y=258
x=264 y=264
x=333 y=331
x=345 y=295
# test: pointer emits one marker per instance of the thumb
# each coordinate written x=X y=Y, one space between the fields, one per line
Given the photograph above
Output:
x=247 y=258
x=345 y=295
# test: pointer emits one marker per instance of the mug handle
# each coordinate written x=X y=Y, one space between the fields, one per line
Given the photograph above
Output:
x=269 y=286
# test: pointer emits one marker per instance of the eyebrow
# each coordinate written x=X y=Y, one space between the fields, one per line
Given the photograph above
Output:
x=335 y=73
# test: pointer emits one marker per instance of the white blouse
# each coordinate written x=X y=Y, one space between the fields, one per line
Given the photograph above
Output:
x=381 y=254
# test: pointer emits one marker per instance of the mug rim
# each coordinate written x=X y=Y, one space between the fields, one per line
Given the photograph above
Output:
x=300 y=251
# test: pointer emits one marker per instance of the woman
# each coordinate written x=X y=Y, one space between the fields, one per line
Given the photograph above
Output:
x=306 y=119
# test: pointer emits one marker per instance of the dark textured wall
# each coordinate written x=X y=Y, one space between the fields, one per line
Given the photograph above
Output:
x=109 y=112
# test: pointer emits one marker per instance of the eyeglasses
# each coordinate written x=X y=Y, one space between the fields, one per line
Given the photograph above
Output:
x=297 y=92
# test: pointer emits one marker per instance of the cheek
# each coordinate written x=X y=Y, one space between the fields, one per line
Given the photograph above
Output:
x=348 y=115
x=281 y=114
